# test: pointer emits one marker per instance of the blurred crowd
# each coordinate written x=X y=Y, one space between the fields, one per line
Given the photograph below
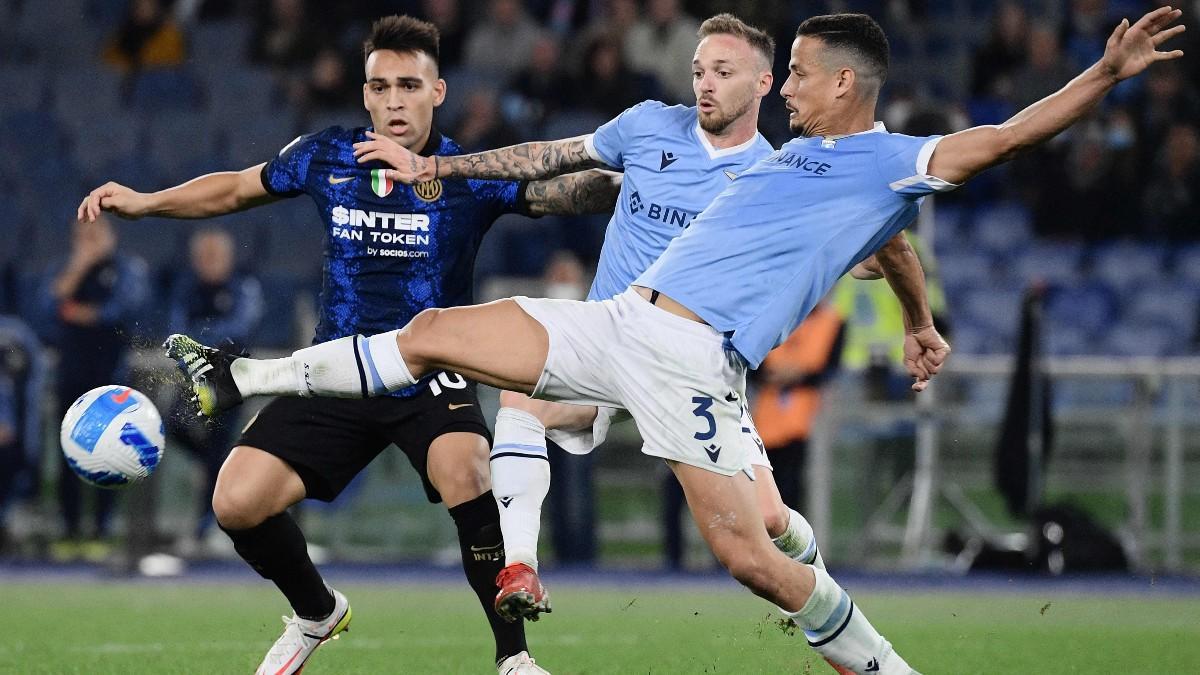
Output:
x=517 y=70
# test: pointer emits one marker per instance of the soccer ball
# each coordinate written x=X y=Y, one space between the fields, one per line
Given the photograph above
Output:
x=112 y=436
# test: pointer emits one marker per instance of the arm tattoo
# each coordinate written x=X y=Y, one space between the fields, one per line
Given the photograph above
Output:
x=579 y=193
x=528 y=161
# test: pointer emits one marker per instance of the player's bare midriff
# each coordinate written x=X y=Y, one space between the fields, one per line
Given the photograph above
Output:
x=667 y=304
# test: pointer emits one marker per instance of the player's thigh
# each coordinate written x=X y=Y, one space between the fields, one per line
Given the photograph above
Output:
x=497 y=343
x=252 y=486
x=552 y=414
x=725 y=509
x=458 y=466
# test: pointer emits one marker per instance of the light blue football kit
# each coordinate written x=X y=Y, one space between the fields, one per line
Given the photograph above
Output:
x=672 y=172
x=757 y=261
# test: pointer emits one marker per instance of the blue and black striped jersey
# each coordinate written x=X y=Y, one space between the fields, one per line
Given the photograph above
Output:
x=391 y=250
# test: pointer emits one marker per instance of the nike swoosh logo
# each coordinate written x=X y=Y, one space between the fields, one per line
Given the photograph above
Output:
x=335 y=180
x=121 y=397
x=730 y=175
x=479 y=549
x=456 y=406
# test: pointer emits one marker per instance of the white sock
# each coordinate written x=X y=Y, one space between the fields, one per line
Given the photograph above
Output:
x=798 y=541
x=520 y=481
x=838 y=630
x=267 y=377
x=348 y=367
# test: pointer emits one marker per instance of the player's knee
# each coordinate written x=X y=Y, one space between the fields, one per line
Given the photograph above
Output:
x=775 y=516
x=464 y=485
x=239 y=508
x=514 y=399
x=414 y=340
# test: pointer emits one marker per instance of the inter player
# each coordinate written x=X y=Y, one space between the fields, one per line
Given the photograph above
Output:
x=391 y=251
x=673 y=349
x=675 y=160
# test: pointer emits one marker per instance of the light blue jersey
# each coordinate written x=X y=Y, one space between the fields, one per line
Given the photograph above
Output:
x=770 y=246
x=672 y=172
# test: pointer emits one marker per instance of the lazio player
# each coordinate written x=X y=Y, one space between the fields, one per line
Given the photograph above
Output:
x=674 y=348
x=675 y=160
x=391 y=251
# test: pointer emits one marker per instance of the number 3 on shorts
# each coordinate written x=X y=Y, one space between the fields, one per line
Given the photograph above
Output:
x=703 y=403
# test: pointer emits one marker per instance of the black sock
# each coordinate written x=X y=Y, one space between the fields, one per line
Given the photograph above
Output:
x=276 y=549
x=479 y=537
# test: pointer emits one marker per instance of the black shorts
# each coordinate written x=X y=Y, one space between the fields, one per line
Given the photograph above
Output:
x=328 y=441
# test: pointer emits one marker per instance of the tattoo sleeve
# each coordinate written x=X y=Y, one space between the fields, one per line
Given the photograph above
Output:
x=578 y=193
x=527 y=161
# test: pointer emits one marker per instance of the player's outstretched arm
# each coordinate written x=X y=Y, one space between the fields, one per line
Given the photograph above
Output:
x=579 y=193
x=209 y=195
x=924 y=349
x=1129 y=51
x=528 y=161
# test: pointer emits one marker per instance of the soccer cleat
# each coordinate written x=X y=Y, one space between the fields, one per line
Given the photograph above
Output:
x=521 y=593
x=301 y=638
x=213 y=388
x=520 y=663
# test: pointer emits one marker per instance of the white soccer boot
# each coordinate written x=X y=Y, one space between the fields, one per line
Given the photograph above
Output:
x=520 y=663
x=301 y=638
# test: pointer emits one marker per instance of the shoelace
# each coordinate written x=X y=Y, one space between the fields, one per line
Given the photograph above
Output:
x=284 y=647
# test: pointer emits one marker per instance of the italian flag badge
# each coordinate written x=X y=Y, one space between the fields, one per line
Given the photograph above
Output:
x=380 y=183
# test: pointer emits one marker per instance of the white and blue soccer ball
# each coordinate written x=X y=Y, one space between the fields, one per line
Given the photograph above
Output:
x=112 y=436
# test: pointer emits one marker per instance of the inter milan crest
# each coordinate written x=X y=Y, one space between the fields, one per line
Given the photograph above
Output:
x=429 y=191
x=381 y=185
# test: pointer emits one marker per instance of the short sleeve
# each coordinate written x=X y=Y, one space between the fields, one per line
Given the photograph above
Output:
x=285 y=175
x=501 y=196
x=904 y=163
x=609 y=142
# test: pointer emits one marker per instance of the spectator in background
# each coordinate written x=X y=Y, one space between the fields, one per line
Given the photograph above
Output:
x=613 y=21
x=1003 y=55
x=283 y=34
x=1167 y=98
x=447 y=16
x=146 y=38
x=788 y=397
x=1172 y=202
x=482 y=126
x=502 y=44
x=1046 y=69
x=327 y=85
x=90 y=302
x=572 y=493
x=21 y=373
x=662 y=45
x=607 y=85
x=211 y=299
x=542 y=84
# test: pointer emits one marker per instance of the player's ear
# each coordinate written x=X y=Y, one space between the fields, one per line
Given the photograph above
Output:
x=439 y=92
x=765 y=81
x=844 y=81
x=365 y=96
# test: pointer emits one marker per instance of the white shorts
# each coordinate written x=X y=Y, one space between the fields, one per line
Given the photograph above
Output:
x=584 y=441
x=683 y=387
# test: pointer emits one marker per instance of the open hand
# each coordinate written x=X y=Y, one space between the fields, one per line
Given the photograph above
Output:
x=924 y=353
x=407 y=166
x=1131 y=49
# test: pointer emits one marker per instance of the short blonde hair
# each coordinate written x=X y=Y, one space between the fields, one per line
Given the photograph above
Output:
x=728 y=24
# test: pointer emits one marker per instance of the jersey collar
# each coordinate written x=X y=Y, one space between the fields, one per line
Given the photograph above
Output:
x=433 y=145
x=716 y=153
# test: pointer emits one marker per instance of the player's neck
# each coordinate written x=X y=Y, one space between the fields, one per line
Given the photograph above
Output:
x=738 y=132
x=844 y=125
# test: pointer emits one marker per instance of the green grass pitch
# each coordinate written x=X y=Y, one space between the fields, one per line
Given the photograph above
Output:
x=132 y=628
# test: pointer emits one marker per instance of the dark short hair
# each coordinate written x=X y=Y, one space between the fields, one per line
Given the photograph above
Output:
x=857 y=34
x=402 y=33
x=728 y=24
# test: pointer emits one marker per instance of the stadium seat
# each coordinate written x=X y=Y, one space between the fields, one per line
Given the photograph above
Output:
x=1164 y=303
x=1054 y=263
x=1144 y=339
x=1001 y=229
x=24 y=87
x=220 y=42
x=1091 y=307
x=165 y=89
x=1126 y=264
